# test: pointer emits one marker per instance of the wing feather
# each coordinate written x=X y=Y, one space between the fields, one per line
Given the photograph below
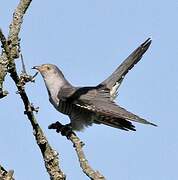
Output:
x=98 y=101
x=115 y=79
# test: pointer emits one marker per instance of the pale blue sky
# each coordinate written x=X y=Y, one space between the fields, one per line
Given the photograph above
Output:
x=88 y=39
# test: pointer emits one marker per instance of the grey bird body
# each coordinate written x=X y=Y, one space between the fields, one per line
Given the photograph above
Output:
x=88 y=105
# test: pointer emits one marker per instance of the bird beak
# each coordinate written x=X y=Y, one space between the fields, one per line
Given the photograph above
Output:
x=36 y=67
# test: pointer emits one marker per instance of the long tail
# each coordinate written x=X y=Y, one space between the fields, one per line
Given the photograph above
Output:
x=121 y=123
x=115 y=116
x=118 y=75
x=116 y=123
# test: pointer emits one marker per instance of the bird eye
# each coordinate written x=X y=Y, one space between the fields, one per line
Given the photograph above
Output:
x=48 y=68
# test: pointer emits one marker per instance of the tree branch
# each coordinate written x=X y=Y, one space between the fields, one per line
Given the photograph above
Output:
x=78 y=145
x=3 y=65
x=3 y=72
x=11 y=51
x=6 y=175
x=15 y=26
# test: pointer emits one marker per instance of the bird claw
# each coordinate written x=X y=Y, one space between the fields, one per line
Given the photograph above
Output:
x=65 y=130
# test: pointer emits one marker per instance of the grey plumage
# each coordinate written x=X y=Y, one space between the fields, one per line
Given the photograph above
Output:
x=87 y=105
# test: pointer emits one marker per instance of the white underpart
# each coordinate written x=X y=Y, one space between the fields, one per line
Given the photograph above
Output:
x=53 y=88
x=114 y=92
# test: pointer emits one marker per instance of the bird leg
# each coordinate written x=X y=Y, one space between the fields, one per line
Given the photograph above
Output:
x=65 y=130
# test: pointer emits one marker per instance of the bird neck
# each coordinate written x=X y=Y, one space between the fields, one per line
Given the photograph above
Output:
x=54 y=85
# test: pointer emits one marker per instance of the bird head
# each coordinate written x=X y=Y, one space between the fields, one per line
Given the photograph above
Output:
x=48 y=70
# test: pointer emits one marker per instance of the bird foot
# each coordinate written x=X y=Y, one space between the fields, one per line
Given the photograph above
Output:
x=65 y=130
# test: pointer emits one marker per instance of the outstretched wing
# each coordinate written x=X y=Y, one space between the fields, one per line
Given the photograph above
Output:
x=115 y=79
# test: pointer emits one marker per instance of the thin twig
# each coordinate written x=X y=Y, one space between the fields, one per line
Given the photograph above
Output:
x=23 y=64
x=24 y=76
x=78 y=145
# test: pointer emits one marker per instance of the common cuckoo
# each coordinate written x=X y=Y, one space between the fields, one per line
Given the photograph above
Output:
x=93 y=104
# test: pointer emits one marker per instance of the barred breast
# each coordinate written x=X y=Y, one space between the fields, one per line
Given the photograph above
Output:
x=65 y=107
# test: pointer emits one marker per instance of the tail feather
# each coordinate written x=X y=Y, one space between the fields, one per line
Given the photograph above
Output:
x=113 y=112
x=120 y=123
x=143 y=121
x=116 y=123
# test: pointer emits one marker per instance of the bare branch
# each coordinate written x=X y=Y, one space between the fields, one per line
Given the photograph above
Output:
x=15 y=26
x=11 y=51
x=6 y=175
x=3 y=65
x=78 y=145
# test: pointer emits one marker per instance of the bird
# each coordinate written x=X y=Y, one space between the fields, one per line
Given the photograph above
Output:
x=93 y=104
